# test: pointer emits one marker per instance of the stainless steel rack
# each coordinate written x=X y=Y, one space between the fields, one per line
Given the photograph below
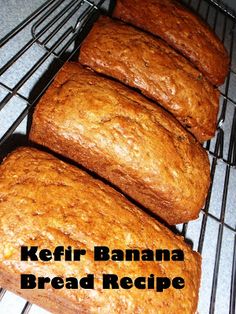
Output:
x=30 y=56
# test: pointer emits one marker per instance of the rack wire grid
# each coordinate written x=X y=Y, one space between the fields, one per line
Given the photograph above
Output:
x=30 y=56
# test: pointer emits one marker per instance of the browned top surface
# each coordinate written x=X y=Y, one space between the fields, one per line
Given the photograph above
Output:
x=182 y=29
x=147 y=63
x=119 y=134
x=45 y=202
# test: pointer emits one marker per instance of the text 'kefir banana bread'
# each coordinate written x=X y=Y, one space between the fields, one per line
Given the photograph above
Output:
x=46 y=204
x=147 y=63
x=181 y=29
x=126 y=139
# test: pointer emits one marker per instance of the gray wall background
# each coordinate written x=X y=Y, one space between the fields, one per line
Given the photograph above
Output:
x=231 y=3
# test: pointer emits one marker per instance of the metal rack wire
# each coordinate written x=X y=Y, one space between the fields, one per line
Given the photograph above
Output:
x=52 y=36
x=56 y=33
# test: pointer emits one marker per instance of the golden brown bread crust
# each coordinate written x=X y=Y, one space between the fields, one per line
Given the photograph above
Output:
x=126 y=139
x=147 y=63
x=45 y=202
x=181 y=29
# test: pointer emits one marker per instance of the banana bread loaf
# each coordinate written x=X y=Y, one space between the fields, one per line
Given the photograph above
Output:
x=46 y=203
x=147 y=63
x=126 y=139
x=181 y=29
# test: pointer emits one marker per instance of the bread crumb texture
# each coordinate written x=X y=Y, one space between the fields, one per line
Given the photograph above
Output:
x=45 y=202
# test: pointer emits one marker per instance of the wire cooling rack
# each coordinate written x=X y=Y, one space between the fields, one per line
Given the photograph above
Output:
x=30 y=56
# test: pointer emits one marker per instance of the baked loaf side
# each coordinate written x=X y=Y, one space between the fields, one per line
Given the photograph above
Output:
x=126 y=139
x=144 y=62
x=182 y=29
x=45 y=202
